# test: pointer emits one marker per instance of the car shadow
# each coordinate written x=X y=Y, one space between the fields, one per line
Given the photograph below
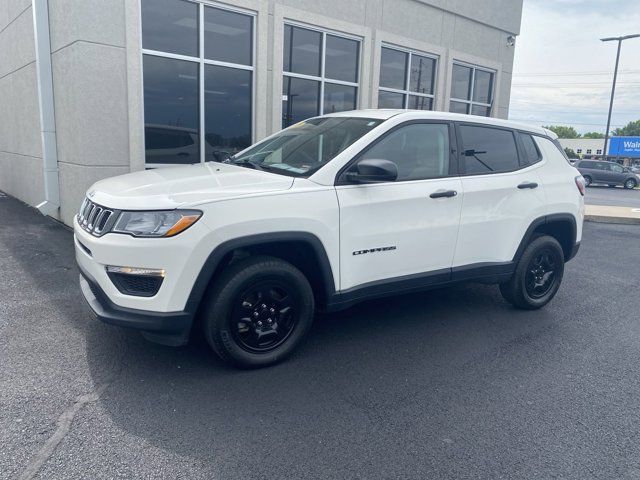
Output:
x=354 y=374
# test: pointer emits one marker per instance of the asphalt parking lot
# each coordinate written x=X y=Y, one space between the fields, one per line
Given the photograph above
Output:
x=452 y=383
x=615 y=197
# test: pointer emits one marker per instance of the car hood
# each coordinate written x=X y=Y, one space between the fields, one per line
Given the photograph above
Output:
x=184 y=186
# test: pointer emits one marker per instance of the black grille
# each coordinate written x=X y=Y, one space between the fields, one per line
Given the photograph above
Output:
x=137 y=285
x=95 y=219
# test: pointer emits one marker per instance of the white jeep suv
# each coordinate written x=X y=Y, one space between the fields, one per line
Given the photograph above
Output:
x=329 y=212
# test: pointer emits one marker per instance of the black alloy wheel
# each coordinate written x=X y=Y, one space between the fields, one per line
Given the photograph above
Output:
x=264 y=316
x=257 y=311
x=541 y=273
x=537 y=276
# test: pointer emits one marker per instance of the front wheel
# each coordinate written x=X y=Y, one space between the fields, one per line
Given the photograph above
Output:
x=538 y=274
x=629 y=184
x=258 y=311
x=587 y=180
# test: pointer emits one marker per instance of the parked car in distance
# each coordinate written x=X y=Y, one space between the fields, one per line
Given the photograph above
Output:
x=332 y=211
x=608 y=173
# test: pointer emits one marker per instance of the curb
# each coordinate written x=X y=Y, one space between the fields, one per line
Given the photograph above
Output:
x=608 y=219
x=612 y=214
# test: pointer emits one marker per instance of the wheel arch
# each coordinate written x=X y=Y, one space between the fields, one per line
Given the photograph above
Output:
x=304 y=250
x=561 y=226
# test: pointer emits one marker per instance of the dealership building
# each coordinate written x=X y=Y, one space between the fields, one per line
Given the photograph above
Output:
x=95 y=88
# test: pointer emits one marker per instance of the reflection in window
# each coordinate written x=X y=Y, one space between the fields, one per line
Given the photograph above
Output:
x=393 y=69
x=340 y=56
x=407 y=80
x=300 y=99
x=420 y=150
x=227 y=36
x=488 y=150
x=339 y=98
x=302 y=50
x=174 y=89
x=171 y=110
x=227 y=107
x=170 y=26
x=316 y=80
x=471 y=90
x=390 y=99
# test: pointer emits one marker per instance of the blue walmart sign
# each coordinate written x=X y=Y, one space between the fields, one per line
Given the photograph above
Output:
x=624 y=147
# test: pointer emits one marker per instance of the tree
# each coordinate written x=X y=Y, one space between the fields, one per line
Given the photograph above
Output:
x=563 y=132
x=593 y=135
x=631 y=129
x=570 y=153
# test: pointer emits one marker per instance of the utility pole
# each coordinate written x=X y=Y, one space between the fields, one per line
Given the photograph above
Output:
x=613 y=87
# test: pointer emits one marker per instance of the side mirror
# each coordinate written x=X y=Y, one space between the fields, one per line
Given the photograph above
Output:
x=372 y=171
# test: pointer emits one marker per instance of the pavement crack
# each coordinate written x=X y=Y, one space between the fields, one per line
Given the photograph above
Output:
x=64 y=423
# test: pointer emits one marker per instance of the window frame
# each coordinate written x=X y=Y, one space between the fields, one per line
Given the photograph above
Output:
x=470 y=102
x=340 y=179
x=201 y=61
x=322 y=79
x=406 y=92
x=461 y=162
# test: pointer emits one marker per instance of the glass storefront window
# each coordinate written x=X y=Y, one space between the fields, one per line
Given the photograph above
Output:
x=471 y=90
x=407 y=79
x=188 y=92
x=320 y=73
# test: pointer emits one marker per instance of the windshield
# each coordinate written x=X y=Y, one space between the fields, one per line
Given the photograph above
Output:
x=305 y=147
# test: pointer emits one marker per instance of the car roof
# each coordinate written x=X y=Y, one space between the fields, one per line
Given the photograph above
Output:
x=385 y=114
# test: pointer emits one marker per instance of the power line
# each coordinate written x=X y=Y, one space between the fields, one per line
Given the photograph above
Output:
x=566 y=74
x=570 y=85
x=554 y=122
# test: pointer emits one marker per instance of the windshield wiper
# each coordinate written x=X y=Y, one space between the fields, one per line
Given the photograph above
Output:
x=247 y=163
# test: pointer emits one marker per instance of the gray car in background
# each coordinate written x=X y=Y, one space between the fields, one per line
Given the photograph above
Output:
x=608 y=173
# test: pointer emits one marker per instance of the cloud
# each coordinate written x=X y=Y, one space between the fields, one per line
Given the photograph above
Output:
x=559 y=39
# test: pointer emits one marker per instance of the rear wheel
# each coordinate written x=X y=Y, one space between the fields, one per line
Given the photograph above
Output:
x=631 y=183
x=258 y=311
x=587 y=180
x=537 y=276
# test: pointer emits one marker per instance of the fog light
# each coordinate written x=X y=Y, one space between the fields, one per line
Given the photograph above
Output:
x=148 y=272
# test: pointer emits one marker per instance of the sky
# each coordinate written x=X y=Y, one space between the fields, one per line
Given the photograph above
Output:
x=562 y=72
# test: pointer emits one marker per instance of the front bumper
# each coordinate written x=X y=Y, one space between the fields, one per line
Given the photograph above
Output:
x=168 y=328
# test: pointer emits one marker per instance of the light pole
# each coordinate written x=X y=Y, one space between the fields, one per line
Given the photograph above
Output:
x=613 y=88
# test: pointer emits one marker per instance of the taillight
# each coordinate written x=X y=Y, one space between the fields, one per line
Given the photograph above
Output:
x=580 y=184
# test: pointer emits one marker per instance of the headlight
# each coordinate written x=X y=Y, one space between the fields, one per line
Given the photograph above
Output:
x=162 y=223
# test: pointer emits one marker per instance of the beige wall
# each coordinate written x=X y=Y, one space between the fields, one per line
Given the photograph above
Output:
x=20 y=142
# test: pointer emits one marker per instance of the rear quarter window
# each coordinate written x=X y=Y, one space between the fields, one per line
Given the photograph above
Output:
x=530 y=149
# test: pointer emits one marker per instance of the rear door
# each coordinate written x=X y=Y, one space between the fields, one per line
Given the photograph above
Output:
x=502 y=196
x=618 y=175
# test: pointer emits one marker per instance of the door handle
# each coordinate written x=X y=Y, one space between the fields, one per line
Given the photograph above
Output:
x=444 y=194
x=531 y=185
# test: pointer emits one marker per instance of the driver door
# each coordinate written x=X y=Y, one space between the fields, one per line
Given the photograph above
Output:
x=404 y=230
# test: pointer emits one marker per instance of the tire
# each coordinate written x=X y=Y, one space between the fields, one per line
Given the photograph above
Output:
x=538 y=274
x=587 y=180
x=630 y=184
x=258 y=311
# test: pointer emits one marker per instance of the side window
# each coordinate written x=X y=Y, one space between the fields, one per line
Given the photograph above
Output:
x=600 y=166
x=420 y=150
x=488 y=150
x=531 y=153
x=616 y=168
